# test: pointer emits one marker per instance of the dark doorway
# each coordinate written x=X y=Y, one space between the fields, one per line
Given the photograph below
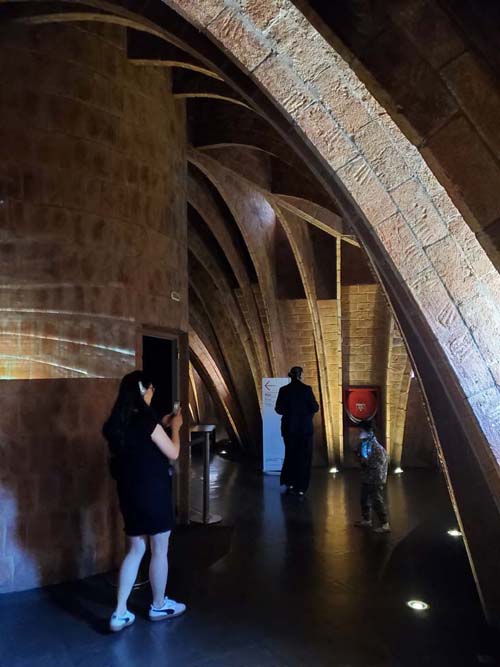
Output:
x=159 y=362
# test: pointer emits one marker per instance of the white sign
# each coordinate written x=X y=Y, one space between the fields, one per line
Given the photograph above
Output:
x=273 y=448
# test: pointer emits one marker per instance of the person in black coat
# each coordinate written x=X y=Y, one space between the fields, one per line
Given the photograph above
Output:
x=297 y=405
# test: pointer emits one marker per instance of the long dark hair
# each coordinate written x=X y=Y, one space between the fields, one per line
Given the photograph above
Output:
x=129 y=403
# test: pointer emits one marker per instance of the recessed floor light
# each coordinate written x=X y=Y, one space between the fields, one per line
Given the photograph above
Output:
x=398 y=470
x=454 y=532
x=417 y=605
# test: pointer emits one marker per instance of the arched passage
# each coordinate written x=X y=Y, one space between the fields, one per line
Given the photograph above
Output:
x=406 y=214
x=390 y=183
x=406 y=249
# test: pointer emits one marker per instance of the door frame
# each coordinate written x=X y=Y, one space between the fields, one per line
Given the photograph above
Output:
x=182 y=494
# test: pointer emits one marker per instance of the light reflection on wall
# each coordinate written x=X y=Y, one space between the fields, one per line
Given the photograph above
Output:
x=45 y=345
x=10 y=368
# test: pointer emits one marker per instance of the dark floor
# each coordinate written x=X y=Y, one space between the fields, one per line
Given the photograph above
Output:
x=280 y=582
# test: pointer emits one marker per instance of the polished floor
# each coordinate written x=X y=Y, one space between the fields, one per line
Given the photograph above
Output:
x=280 y=582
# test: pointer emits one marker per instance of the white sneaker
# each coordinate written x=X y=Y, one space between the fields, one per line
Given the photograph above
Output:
x=364 y=523
x=384 y=528
x=169 y=609
x=117 y=623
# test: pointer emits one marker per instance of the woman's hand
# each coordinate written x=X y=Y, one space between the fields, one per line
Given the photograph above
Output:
x=165 y=421
x=168 y=420
x=176 y=421
x=169 y=445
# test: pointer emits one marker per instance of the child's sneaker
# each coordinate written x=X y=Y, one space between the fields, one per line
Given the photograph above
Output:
x=118 y=622
x=169 y=609
x=384 y=528
x=364 y=523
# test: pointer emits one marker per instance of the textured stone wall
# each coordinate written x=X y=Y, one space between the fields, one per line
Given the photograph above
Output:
x=93 y=239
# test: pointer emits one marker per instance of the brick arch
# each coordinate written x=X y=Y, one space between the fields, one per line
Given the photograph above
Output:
x=202 y=201
x=198 y=248
x=235 y=353
x=255 y=218
x=434 y=251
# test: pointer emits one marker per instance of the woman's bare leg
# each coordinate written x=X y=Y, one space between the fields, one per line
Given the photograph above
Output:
x=129 y=569
x=158 y=568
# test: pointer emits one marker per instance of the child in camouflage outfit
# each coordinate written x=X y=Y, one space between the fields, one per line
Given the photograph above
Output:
x=374 y=462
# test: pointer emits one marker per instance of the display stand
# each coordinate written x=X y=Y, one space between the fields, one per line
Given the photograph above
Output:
x=204 y=517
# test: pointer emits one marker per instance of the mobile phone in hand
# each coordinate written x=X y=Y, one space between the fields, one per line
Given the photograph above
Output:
x=176 y=408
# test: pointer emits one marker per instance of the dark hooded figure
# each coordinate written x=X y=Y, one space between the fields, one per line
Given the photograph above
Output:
x=297 y=405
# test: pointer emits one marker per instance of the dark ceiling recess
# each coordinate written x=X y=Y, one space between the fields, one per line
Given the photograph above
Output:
x=287 y=180
x=143 y=47
x=479 y=24
x=213 y=122
x=359 y=22
x=355 y=268
x=289 y=283
x=325 y=263
x=356 y=22
x=192 y=84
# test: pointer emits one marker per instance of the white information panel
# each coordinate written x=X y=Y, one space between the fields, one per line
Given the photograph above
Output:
x=273 y=449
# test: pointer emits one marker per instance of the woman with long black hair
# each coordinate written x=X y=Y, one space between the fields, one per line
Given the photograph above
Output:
x=140 y=451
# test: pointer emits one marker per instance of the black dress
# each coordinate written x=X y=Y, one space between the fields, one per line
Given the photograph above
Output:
x=144 y=479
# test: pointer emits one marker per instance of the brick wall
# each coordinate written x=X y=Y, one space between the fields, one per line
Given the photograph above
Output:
x=365 y=320
x=92 y=241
